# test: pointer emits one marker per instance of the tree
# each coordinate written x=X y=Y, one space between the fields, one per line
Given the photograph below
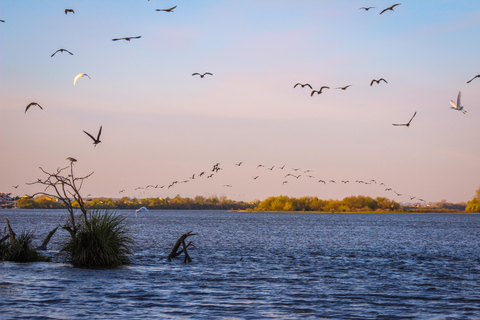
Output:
x=474 y=204
x=97 y=239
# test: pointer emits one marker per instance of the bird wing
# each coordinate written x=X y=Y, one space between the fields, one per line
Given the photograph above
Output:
x=371 y=83
x=453 y=104
x=381 y=79
x=117 y=39
x=170 y=9
x=69 y=52
x=29 y=105
x=477 y=76
x=196 y=74
x=208 y=73
x=86 y=75
x=398 y=124
x=458 y=99
x=413 y=117
x=99 y=133
x=296 y=85
x=76 y=78
x=89 y=135
x=54 y=53
x=384 y=10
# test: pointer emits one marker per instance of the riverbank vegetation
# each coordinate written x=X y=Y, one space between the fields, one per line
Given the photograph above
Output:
x=278 y=203
x=474 y=204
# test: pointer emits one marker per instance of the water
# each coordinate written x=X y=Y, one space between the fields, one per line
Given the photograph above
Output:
x=259 y=266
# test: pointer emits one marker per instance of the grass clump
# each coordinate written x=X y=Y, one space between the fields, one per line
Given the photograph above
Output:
x=21 y=249
x=100 y=242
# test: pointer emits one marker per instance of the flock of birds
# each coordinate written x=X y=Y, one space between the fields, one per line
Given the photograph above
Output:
x=285 y=178
x=96 y=140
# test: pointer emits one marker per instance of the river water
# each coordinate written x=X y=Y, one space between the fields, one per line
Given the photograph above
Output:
x=259 y=266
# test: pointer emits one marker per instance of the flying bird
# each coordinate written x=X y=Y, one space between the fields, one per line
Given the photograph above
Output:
x=405 y=124
x=390 y=8
x=319 y=91
x=15 y=186
x=61 y=50
x=377 y=81
x=2 y=20
x=458 y=106
x=238 y=164
x=255 y=178
x=69 y=10
x=366 y=8
x=167 y=10
x=71 y=159
x=97 y=140
x=127 y=38
x=32 y=104
x=201 y=75
x=302 y=85
x=79 y=76
x=344 y=88
x=322 y=181
x=477 y=76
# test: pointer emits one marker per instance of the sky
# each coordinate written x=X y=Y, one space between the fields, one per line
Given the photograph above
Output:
x=161 y=124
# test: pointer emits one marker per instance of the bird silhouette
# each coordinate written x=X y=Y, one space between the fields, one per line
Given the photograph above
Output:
x=405 y=124
x=167 y=10
x=366 y=8
x=255 y=178
x=238 y=164
x=477 y=76
x=377 y=81
x=127 y=38
x=302 y=85
x=2 y=20
x=61 y=50
x=79 y=76
x=390 y=8
x=202 y=75
x=97 y=140
x=15 y=186
x=69 y=10
x=71 y=159
x=344 y=88
x=319 y=91
x=322 y=181
x=458 y=106
x=32 y=104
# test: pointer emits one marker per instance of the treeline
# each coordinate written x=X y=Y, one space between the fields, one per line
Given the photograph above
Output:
x=348 y=204
x=176 y=203
x=278 y=203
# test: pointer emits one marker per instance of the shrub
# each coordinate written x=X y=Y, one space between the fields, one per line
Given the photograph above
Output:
x=100 y=242
x=21 y=250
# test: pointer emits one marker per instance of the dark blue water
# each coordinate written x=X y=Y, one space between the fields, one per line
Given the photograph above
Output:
x=259 y=266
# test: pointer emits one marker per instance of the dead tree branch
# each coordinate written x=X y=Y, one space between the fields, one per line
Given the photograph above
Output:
x=181 y=242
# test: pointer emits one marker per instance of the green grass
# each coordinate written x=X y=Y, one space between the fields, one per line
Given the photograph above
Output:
x=21 y=250
x=102 y=242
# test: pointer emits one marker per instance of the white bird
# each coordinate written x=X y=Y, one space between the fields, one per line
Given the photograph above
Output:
x=458 y=106
x=140 y=210
x=79 y=76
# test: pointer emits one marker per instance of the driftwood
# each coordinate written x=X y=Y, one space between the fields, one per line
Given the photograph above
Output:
x=43 y=246
x=12 y=234
x=181 y=242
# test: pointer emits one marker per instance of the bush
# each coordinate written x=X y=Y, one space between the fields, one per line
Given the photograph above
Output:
x=21 y=250
x=101 y=242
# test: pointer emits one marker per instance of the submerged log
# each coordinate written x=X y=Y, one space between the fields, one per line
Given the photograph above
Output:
x=12 y=234
x=43 y=246
x=181 y=242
